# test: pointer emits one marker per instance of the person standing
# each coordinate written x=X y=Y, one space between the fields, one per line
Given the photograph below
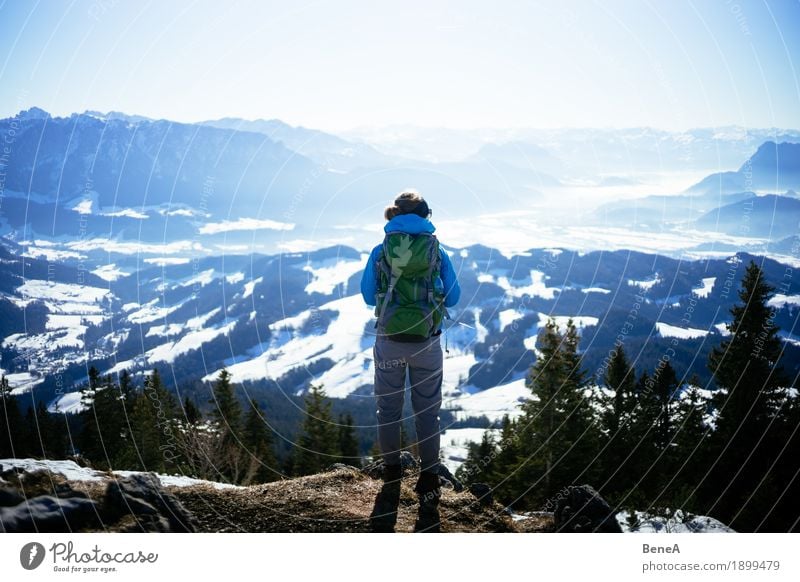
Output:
x=410 y=282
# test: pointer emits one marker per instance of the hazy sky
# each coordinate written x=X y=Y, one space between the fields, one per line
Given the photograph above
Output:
x=338 y=65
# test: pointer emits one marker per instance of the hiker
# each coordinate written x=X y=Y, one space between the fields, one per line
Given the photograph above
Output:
x=410 y=281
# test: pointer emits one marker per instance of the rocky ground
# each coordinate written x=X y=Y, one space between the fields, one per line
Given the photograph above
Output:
x=338 y=500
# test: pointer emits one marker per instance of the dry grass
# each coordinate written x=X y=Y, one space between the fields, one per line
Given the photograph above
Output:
x=336 y=501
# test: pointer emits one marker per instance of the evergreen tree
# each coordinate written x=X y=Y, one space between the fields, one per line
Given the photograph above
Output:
x=642 y=451
x=226 y=415
x=479 y=465
x=28 y=444
x=785 y=516
x=51 y=432
x=146 y=437
x=348 y=443
x=505 y=477
x=752 y=387
x=164 y=408
x=617 y=419
x=190 y=411
x=619 y=377
x=226 y=410
x=318 y=445
x=664 y=387
x=10 y=421
x=103 y=438
x=690 y=450
x=558 y=439
x=257 y=439
x=653 y=431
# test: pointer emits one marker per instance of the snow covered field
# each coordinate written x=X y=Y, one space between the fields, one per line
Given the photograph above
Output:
x=74 y=472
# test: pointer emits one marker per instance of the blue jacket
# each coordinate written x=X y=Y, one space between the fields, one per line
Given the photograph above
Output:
x=411 y=224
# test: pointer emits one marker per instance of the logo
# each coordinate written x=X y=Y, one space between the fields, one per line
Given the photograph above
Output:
x=31 y=555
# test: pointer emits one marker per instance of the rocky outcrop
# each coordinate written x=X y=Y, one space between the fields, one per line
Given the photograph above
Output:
x=153 y=509
x=341 y=499
x=42 y=501
x=581 y=509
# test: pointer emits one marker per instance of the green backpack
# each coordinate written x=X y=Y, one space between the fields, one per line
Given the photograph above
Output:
x=410 y=297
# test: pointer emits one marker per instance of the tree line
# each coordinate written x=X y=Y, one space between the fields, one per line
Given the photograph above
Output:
x=655 y=441
x=147 y=428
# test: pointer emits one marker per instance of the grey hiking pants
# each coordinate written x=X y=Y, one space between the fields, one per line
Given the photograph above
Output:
x=422 y=364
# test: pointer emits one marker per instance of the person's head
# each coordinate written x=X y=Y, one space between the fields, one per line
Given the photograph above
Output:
x=407 y=202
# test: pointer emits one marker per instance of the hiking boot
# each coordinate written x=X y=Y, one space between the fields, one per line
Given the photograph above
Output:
x=384 y=514
x=428 y=488
x=428 y=520
x=392 y=473
x=429 y=491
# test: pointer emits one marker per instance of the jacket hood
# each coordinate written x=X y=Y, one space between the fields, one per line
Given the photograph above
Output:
x=409 y=223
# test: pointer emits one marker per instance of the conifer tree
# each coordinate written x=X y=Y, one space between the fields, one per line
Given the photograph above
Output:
x=479 y=465
x=558 y=439
x=653 y=431
x=190 y=411
x=28 y=444
x=164 y=407
x=619 y=377
x=751 y=387
x=348 y=443
x=617 y=420
x=745 y=366
x=226 y=410
x=146 y=437
x=505 y=476
x=690 y=450
x=51 y=433
x=10 y=421
x=103 y=438
x=226 y=415
x=318 y=445
x=257 y=439
x=663 y=389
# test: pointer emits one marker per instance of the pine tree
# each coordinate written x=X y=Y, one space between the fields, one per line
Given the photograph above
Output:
x=10 y=421
x=164 y=408
x=505 y=477
x=102 y=439
x=558 y=438
x=318 y=445
x=146 y=438
x=664 y=388
x=785 y=516
x=257 y=439
x=226 y=410
x=745 y=367
x=29 y=444
x=617 y=419
x=752 y=387
x=479 y=465
x=619 y=377
x=190 y=411
x=690 y=450
x=653 y=429
x=51 y=433
x=642 y=451
x=226 y=415
x=348 y=443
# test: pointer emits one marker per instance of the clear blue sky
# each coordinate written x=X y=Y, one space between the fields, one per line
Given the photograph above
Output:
x=338 y=65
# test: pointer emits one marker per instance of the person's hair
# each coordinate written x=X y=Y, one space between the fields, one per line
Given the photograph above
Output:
x=407 y=202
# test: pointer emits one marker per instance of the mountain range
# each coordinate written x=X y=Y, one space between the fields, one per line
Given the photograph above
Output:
x=130 y=243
